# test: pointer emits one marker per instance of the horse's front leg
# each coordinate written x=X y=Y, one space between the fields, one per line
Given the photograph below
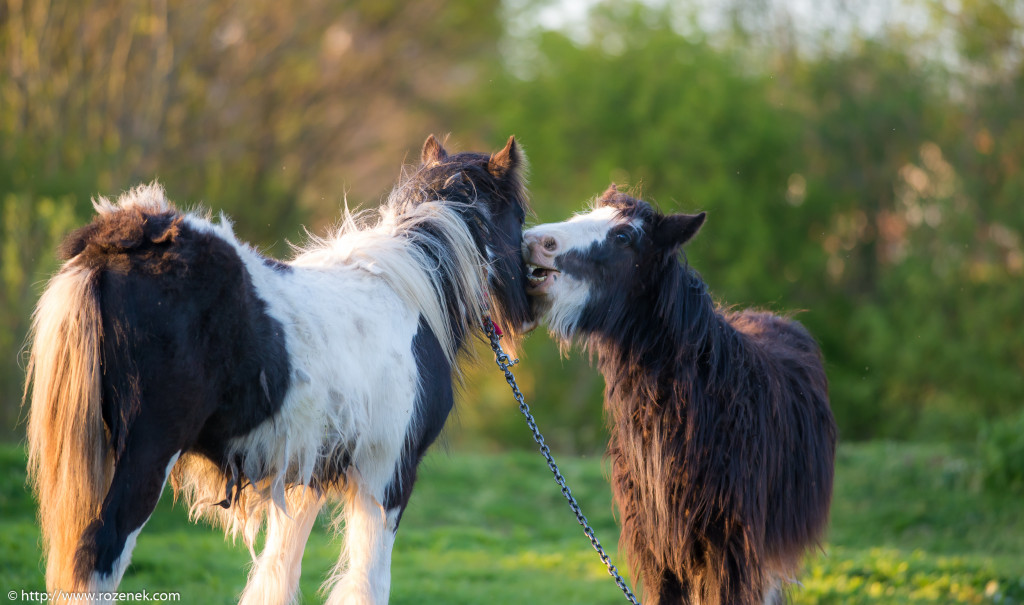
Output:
x=382 y=477
x=363 y=573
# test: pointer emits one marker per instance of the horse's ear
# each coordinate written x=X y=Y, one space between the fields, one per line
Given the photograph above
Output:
x=506 y=160
x=677 y=229
x=608 y=195
x=432 y=152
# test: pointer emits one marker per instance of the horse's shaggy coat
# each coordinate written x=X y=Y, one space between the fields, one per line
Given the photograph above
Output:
x=722 y=440
x=166 y=347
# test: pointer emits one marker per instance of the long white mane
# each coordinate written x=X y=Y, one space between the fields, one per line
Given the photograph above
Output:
x=416 y=248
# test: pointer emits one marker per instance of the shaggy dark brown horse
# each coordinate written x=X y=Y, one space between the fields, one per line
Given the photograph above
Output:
x=722 y=439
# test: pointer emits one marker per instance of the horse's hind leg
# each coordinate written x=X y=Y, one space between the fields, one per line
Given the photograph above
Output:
x=274 y=579
x=139 y=477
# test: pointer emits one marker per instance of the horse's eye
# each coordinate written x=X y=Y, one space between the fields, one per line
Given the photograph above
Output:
x=622 y=239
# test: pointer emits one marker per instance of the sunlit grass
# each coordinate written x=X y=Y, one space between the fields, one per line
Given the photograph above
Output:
x=910 y=525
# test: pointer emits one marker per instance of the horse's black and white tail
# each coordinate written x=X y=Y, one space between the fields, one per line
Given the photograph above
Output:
x=69 y=455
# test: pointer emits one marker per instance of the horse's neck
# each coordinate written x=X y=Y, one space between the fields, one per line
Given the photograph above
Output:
x=420 y=270
x=651 y=363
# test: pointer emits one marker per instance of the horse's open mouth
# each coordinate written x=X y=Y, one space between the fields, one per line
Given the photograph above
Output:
x=540 y=277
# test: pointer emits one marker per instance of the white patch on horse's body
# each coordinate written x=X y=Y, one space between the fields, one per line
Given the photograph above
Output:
x=370 y=421
x=348 y=303
x=350 y=308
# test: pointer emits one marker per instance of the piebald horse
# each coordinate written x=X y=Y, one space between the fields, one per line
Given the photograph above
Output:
x=165 y=347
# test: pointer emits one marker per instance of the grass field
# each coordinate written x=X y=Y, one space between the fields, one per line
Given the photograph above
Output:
x=909 y=525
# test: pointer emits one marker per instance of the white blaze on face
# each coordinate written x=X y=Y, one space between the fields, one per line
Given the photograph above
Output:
x=583 y=230
x=559 y=298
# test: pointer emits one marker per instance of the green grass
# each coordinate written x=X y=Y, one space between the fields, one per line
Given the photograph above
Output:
x=909 y=525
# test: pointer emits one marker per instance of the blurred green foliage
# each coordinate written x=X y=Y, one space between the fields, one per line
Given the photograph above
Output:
x=1001 y=455
x=871 y=185
x=29 y=224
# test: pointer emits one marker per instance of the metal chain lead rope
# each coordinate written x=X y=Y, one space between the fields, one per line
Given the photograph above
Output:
x=505 y=363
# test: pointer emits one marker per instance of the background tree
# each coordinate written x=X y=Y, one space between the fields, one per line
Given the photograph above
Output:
x=270 y=111
x=858 y=169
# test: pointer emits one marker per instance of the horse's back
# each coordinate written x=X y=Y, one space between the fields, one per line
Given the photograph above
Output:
x=802 y=452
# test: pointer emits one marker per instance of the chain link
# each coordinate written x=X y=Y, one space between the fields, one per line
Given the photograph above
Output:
x=505 y=363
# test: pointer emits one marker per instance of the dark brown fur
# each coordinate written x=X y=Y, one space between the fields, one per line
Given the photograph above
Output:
x=723 y=442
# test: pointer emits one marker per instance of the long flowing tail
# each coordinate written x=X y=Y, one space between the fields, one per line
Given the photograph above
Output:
x=69 y=457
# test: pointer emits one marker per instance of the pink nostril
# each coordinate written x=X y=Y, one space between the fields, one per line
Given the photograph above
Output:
x=539 y=243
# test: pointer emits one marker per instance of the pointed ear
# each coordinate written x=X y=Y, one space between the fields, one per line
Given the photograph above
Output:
x=506 y=160
x=432 y=152
x=677 y=229
x=607 y=196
